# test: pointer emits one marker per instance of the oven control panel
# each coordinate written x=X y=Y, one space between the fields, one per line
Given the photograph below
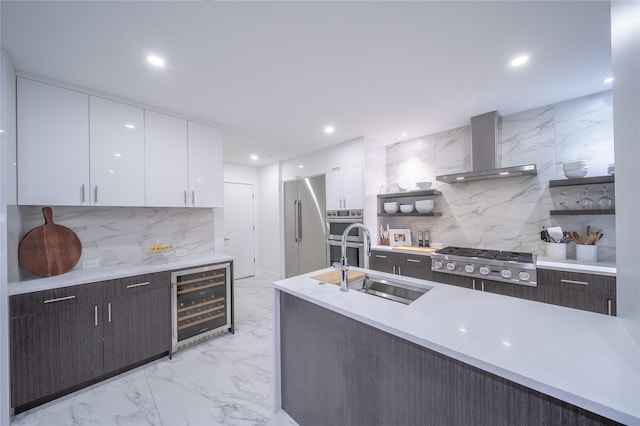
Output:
x=336 y=214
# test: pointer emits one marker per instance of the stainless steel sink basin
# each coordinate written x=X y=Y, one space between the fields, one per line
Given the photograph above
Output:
x=398 y=292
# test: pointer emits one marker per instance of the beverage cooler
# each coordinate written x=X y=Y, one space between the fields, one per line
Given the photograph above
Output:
x=201 y=304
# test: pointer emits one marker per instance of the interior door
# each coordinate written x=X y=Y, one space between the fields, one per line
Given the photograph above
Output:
x=239 y=228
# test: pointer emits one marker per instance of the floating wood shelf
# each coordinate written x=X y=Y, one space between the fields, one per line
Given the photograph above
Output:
x=582 y=181
x=582 y=212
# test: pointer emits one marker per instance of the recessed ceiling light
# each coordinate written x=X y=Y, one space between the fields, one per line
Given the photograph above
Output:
x=155 y=60
x=405 y=134
x=608 y=80
x=519 y=61
x=329 y=129
x=129 y=126
x=254 y=157
x=117 y=154
x=301 y=166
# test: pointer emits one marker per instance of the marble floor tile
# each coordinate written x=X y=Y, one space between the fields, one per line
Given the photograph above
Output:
x=224 y=381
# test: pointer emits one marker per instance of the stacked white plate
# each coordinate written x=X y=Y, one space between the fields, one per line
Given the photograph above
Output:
x=575 y=169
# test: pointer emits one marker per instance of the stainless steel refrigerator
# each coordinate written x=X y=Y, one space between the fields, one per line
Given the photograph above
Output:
x=305 y=228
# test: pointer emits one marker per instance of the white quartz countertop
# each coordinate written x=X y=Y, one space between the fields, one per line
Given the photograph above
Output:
x=570 y=265
x=84 y=276
x=583 y=358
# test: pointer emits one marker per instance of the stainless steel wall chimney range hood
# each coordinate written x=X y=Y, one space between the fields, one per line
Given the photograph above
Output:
x=484 y=143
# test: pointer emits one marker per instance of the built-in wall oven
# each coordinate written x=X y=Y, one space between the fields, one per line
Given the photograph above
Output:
x=337 y=223
x=201 y=304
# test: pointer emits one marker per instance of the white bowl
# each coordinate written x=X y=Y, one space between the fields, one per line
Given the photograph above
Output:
x=424 y=185
x=575 y=174
x=406 y=208
x=425 y=206
x=575 y=164
x=391 y=207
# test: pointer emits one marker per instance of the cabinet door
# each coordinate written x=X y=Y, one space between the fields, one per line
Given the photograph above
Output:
x=383 y=261
x=353 y=188
x=166 y=176
x=137 y=319
x=205 y=166
x=589 y=292
x=53 y=145
x=452 y=279
x=508 y=289
x=416 y=266
x=334 y=190
x=117 y=153
x=56 y=341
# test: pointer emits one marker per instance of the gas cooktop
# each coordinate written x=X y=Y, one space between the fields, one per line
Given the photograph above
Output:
x=506 y=266
x=507 y=256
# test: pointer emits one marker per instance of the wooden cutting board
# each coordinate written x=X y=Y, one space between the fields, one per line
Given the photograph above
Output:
x=49 y=249
x=419 y=249
x=333 y=277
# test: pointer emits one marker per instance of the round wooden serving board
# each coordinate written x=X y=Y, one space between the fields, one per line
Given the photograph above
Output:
x=49 y=249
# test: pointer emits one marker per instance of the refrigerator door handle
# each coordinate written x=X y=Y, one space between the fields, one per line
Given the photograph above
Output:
x=296 y=218
x=299 y=231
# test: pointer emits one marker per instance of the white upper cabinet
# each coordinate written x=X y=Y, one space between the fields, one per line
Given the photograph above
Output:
x=117 y=153
x=53 y=145
x=344 y=189
x=77 y=149
x=166 y=162
x=205 y=166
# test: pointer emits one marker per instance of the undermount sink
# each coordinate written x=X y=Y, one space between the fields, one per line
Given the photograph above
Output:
x=398 y=292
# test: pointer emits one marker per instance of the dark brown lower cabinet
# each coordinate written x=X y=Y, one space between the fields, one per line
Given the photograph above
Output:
x=589 y=292
x=383 y=261
x=66 y=338
x=414 y=266
x=56 y=341
x=339 y=371
x=137 y=320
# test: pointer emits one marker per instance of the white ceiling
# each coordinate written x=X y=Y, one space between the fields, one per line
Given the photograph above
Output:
x=273 y=74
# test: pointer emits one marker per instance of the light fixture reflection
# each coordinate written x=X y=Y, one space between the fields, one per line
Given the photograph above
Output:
x=519 y=61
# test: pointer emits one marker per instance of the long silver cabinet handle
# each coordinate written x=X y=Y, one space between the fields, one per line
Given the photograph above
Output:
x=474 y=284
x=82 y=193
x=59 y=299
x=193 y=198
x=379 y=256
x=574 y=282
x=394 y=269
x=185 y=198
x=609 y=306
x=95 y=313
x=109 y=311
x=138 y=285
x=399 y=270
x=413 y=261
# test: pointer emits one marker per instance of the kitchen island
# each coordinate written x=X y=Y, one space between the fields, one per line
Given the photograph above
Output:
x=453 y=356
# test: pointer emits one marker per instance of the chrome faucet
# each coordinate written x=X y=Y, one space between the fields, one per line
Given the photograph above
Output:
x=344 y=264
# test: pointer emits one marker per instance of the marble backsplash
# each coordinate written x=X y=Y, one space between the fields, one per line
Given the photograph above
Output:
x=111 y=234
x=508 y=214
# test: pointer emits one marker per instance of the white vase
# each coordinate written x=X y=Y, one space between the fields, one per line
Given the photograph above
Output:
x=587 y=253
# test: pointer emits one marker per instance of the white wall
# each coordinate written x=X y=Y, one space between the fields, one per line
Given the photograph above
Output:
x=625 y=42
x=271 y=246
x=7 y=140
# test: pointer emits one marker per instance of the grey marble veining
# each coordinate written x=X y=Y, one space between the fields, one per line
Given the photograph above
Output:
x=224 y=381
x=112 y=234
x=508 y=214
